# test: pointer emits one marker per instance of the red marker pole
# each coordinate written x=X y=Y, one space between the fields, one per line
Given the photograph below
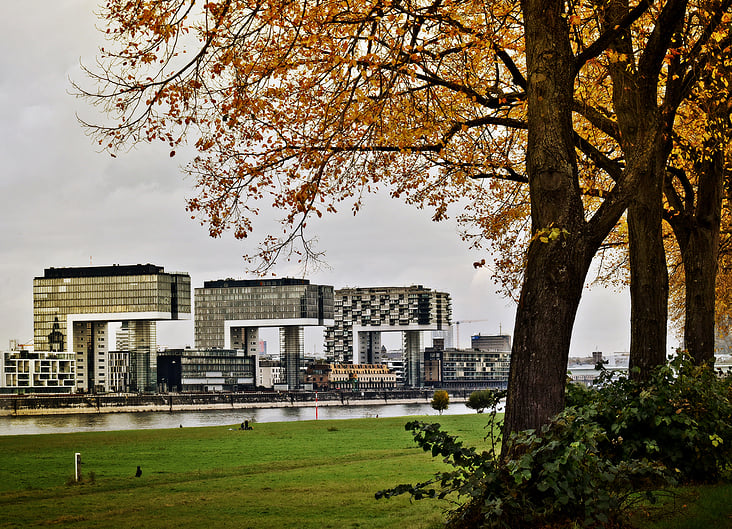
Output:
x=316 y=405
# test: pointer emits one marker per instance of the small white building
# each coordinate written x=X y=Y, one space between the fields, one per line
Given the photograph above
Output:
x=38 y=372
x=269 y=373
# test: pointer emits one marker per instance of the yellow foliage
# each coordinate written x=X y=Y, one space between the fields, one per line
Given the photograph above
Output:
x=299 y=104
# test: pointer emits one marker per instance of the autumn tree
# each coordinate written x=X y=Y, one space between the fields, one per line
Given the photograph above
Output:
x=694 y=70
x=440 y=400
x=306 y=106
x=695 y=188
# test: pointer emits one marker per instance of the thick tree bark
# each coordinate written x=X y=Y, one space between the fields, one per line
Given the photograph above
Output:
x=553 y=284
x=697 y=231
x=648 y=280
x=700 y=270
x=557 y=262
x=563 y=245
x=644 y=137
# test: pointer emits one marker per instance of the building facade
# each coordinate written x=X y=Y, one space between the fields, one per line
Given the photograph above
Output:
x=362 y=314
x=350 y=377
x=194 y=371
x=37 y=372
x=492 y=342
x=269 y=373
x=73 y=306
x=229 y=313
x=469 y=368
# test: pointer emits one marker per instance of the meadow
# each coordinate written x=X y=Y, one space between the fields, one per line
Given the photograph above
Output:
x=310 y=474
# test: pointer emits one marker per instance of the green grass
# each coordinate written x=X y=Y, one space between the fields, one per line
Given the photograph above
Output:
x=280 y=475
x=700 y=507
x=296 y=474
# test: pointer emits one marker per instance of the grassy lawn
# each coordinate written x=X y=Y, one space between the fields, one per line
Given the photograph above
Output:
x=700 y=507
x=296 y=474
x=312 y=474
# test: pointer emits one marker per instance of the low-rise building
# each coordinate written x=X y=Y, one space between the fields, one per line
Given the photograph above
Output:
x=469 y=368
x=38 y=372
x=269 y=373
x=350 y=376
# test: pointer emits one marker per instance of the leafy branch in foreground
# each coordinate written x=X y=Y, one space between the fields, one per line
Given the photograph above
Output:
x=561 y=477
x=610 y=449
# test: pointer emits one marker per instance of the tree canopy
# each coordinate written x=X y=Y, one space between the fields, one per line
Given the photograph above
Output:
x=543 y=121
x=440 y=400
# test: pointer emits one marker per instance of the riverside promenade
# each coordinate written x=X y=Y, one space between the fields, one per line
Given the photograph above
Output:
x=23 y=405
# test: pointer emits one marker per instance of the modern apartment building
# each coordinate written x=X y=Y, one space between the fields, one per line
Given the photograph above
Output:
x=37 y=372
x=190 y=370
x=362 y=314
x=475 y=368
x=230 y=312
x=73 y=306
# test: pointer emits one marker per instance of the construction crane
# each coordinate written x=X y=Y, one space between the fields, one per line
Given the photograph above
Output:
x=16 y=346
x=457 y=329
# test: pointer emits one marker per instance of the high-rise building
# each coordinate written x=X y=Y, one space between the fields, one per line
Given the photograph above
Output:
x=230 y=312
x=492 y=342
x=73 y=306
x=362 y=314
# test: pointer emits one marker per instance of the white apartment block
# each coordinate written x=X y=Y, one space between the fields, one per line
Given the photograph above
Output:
x=362 y=314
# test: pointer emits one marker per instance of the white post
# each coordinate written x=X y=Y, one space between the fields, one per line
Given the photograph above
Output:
x=77 y=466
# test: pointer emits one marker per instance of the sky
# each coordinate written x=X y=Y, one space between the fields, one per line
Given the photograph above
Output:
x=63 y=203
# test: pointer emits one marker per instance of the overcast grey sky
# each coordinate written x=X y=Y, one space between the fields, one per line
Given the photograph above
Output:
x=63 y=203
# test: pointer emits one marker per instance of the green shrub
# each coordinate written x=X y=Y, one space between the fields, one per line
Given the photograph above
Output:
x=610 y=448
x=484 y=399
x=560 y=478
x=681 y=417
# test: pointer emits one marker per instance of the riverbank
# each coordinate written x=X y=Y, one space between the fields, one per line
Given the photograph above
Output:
x=201 y=407
x=18 y=406
x=107 y=422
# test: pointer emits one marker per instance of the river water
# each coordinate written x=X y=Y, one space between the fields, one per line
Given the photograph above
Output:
x=99 y=422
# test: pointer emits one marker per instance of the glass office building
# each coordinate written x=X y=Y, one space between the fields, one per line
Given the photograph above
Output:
x=188 y=370
x=72 y=307
x=229 y=313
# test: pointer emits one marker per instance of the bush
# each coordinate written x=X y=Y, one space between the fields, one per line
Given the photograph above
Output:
x=484 y=399
x=440 y=400
x=681 y=417
x=610 y=448
x=560 y=478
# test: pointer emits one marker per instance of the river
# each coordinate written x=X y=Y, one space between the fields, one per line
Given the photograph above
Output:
x=101 y=422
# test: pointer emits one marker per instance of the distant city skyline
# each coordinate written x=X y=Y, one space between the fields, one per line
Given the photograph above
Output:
x=67 y=204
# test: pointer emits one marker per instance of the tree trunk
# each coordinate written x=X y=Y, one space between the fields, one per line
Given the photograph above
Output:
x=697 y=232
x=645 y=145
x=648 y=279
x=700 y=270
x=553 y=284
x=556 y=262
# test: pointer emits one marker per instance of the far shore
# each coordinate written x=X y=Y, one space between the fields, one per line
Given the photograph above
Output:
x=201 y=407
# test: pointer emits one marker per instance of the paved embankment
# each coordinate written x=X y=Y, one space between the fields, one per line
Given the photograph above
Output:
x=70 y=404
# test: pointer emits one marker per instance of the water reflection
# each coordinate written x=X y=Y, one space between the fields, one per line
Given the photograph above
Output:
x=97 y=422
